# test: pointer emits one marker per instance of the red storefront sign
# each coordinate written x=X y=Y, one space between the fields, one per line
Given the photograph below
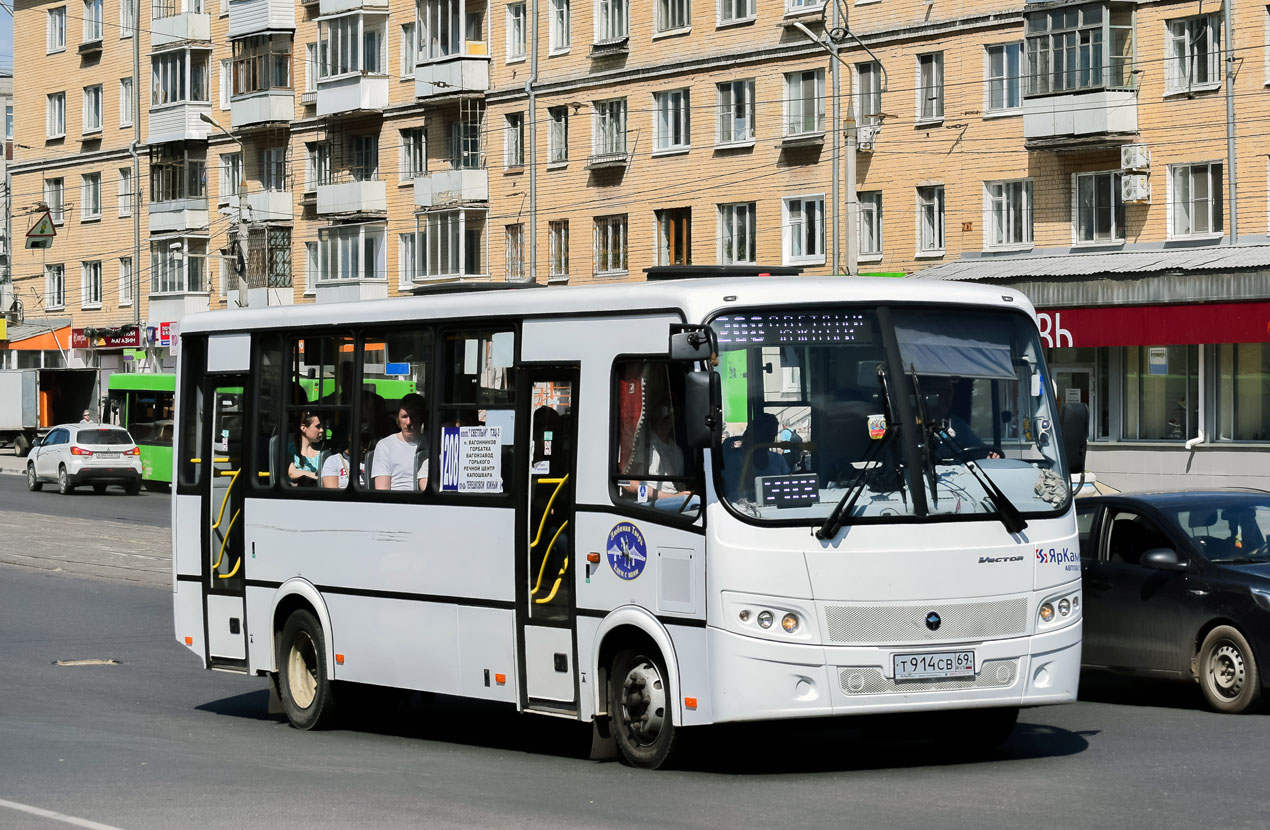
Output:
x=101 y=339
x=1156 y=325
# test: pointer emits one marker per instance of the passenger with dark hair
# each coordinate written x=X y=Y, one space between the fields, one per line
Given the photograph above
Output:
x=393 y=467
x=303 y=469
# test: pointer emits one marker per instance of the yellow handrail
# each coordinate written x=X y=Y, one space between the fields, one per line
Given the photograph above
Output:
x=237 y=565
x=559 y=482
x=225 y=500
x=559 y=578
x=547 y=555
x=225 y=541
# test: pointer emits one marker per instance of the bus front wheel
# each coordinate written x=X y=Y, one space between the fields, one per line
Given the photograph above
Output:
x=302 y=677
x=640 y=703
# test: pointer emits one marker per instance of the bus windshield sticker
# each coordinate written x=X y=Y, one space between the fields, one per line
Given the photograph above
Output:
x=470 y=459
x=627 y=551
x=877 y=426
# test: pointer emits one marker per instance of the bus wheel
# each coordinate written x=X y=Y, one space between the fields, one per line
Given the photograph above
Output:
x=639 y=704
x=1228 y=672
x=302 y=679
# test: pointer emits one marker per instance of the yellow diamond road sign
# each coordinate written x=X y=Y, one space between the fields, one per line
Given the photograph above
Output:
x=42 y=232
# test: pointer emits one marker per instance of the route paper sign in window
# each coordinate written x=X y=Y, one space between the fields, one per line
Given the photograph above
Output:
x=471 y=459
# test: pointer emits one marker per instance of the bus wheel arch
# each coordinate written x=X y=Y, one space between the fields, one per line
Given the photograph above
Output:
x=637 y=686
x=300 y=595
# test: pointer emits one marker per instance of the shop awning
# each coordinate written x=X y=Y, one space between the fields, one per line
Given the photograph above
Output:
x=1210 y=259
x=51 y=333
x=1156 y=325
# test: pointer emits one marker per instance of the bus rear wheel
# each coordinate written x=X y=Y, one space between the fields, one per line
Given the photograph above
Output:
x=302 y=677
x=640 y=703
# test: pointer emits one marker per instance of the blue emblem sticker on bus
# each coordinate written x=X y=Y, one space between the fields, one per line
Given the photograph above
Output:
x=628 y=552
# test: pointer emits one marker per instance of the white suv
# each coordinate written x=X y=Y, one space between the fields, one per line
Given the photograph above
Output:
x=85 y=453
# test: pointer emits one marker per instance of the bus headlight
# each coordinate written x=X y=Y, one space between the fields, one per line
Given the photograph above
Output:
x=765 y=619
x=1064 y=607
x=1057 y=611
x=1047 y=611
x=789 y=622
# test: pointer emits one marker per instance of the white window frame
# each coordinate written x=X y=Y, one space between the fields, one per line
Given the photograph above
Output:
x=931 y=201
x=127 y=15
x=352 y=44
x=868 y=93
x=612 y=20
x=798 y=233
x=609 y=126
x=998 y=82
x=558 y=135
x=310 y=66
x=1184 y=195
x=55 y=115
x=180 y=270
x=558 y=250
x=93 y=103
x=231 y=176
x=796 y=102
x=870 y=202
x=1090 y=181
x=55 y=187
x=1183 y=60
x=671 y=16
x=514 y=257
x=407 y=260
x=125 y=102
x=517 y=27
x=451 y=257
x=731 y=130
x=734 y=216
x=94 y=11
x=1007 y=214
x=273 y=169
x=346 y=245
x=409 y=49
x=125 y=280
x=89 y=197
x=610 y=246
x=55 y=30
x=310 y=268
x=413 y=159
x=559 y=24
x=172 y=77
x=90 y=284
x=930 y=88
x=797 y=6
x=54 y=287
x=123 y=191
x=514 y=140
x=672 y=129
x=226 y=83
x=733 y=12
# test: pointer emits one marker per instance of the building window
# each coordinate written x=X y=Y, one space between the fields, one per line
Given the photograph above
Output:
x=262 y=63
x=930 y=218
x=1008 y=213
x=514 y=140
x=1079 y=47
x=1004 y=70
x=558 y=250
x=674 y=236
x=453 y=244
x=515 y=31
x=413 y=161
x=736 y=112
x=92 y=26
x=670 y=120
x=1099 y=209
x=466 y=149
x=169 y=73
x=610 y=246
x=55 y=115
x=930 y=87
x=55 y=30
x=231 y=175
x=273 y=169
x=90 y=196
x=54 y=286
x=351 y=44
x=1194 y=54
x=804 y=235
x=317 y=167
x=365 y=167
x=611 y=20
x=178 y=268
x=1243 y=391
x=125 y=102
x=310 y=67
x=515 y=257
x=127 y=15
x=1161 y=393
x=736 y=234
x=176 y=174
x=226 y=87
x=804 y=102
x=407 y=261
x=124 y=192
x=801 y=5
x=90 y=284
x=868 y=93
x=443 y=27
x=871 y=223
x=351 y=252
x=8 y=122
x=736 y=11
x=125 y=280
x=557 y=135
x=1195 y=199
x=673 y=14
x=54 y=197
x=610 y=126
x=558 y=27
x=408 y=50
x=92 y=109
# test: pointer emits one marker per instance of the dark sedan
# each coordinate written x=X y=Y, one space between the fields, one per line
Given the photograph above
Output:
x=1178 y=585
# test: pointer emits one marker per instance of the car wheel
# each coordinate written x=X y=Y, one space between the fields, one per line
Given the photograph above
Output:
x=639 y=704
x=33 y=482
x=302 y=679
x=64 y=485
x=132 y=488
x=99 y=488
x=1228 y=671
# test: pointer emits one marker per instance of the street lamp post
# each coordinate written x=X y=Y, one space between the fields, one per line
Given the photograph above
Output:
x=240 y=229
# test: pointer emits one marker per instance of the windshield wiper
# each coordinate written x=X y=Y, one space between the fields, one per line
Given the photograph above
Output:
x=1006 y=511
x=927 y=436
x=833 y=523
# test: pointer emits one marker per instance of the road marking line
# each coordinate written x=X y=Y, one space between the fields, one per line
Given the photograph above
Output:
x=38 y=811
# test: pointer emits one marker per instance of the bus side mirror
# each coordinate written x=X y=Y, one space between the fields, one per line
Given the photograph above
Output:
x=691 y=343
x=1074 y=421
x=703 y=409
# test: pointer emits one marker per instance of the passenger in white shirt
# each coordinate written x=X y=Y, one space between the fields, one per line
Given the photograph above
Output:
x=393 y=467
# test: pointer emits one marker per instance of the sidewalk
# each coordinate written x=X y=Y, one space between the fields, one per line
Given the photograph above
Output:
x=11 y=464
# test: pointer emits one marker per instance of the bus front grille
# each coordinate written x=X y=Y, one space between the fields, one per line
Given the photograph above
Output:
x=897 y=624
x=868 y=680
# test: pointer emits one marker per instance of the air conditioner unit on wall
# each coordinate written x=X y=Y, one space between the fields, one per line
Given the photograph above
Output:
x=1135 y=157
x=1134 y=187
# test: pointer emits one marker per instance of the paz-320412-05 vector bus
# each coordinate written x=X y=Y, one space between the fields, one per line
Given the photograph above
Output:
x=648 y=506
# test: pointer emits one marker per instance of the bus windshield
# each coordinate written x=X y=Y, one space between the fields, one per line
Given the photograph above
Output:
x=817 y=403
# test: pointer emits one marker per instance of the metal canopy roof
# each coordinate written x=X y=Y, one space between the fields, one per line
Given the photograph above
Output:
x=1102 y=263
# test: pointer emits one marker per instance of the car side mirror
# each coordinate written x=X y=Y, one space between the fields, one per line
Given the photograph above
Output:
x=1074 y=422
x=1162 y=559
x=703 y=409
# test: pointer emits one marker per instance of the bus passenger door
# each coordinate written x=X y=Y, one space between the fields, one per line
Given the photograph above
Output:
x=545 y=598
x=223 y=506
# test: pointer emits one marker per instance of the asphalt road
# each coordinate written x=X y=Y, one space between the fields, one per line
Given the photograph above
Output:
x=146 y=508
x=153 y=741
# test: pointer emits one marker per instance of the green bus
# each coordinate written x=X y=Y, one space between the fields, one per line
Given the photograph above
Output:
x=144 y=403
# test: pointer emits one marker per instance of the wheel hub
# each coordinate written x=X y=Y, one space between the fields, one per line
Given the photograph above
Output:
x=301 y=668
x=644 y=702
x=1227 y=670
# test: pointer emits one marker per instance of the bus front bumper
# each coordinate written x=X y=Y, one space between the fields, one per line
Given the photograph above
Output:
x=755 y=679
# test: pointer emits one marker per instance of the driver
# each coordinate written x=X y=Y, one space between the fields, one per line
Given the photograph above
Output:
x=938 y=393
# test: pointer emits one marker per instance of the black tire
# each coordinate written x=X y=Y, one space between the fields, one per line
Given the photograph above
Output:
x=64 y=485
x=1228 y=672
x=303 y=684
x=972 y=733
x=640 y=701
x=99 y=488
x=33 y=483
x=21 y=446
x=132 y=488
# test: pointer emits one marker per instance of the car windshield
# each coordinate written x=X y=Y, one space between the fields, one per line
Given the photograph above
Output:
x=99 y=437
x=1231 y=529
x=812 y=412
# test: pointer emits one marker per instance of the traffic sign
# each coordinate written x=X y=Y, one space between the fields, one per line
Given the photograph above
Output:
x=42 y=232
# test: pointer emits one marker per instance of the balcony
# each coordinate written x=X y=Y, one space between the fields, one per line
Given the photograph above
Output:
x=450 y=186
x=608 y=161
x=270 y=206
x=326 y=7
x=252 y=17
x=264 y=107
x=178 y=215
x=353 y=92
x=345 y=291
x=179 y=27
x=467 y=71
x=175 y=306
x=352 y=196
x=178 y=122
x=1088 y=117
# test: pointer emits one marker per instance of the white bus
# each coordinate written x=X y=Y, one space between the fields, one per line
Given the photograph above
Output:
x=648 y=506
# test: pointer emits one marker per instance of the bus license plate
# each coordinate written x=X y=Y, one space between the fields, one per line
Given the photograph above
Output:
x=936 y=664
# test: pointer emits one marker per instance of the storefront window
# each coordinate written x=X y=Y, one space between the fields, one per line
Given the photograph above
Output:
x=1243 y=391
x=1161 y=393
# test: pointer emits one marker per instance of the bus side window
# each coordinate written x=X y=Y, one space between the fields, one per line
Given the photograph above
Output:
x=477 y=406
x=193 y=368
x=267 y=374
x=319 y=408
x=654 y=468
x=393 y=453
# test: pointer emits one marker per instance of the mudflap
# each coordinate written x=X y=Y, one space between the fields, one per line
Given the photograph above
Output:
x=603 y=746
x=275 y=699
